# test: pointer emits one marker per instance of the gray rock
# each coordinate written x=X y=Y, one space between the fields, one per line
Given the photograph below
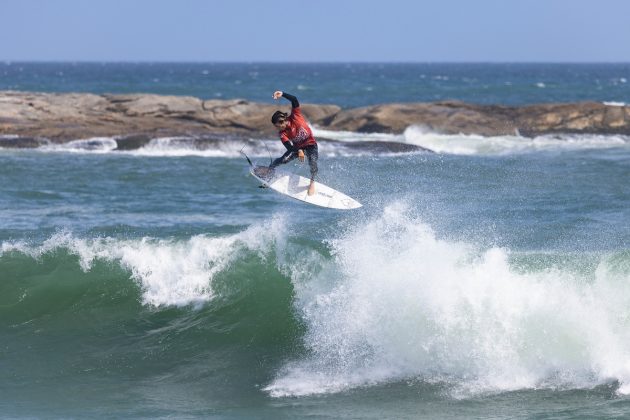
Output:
x=136 y=118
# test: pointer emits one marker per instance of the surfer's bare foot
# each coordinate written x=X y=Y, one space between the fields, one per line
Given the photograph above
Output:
x=311 y=189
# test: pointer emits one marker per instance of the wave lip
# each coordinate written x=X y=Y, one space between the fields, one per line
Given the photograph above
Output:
x=169 y=272
x=405 y=305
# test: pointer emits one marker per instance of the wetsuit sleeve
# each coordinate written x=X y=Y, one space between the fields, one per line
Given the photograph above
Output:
x=289 y=146
x=293 y=99
x=286 y=142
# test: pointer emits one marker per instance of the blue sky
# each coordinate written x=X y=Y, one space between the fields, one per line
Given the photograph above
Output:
x=312 y=30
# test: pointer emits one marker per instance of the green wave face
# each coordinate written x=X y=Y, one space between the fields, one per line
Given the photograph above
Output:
x=385 y=301
x=68 y=319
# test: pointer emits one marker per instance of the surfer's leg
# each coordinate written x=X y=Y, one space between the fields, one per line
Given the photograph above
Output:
x=312 y=154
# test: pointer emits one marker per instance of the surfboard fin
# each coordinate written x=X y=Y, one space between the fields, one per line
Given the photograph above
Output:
x=247 y=157
x=269 y=152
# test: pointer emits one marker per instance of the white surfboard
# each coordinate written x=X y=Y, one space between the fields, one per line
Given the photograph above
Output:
x=296 y=186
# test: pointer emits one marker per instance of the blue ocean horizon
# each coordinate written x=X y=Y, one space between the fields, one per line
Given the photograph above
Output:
x=345 y=84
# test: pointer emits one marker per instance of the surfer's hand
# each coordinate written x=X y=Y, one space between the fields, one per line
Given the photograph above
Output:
x=277 y=94
x=301 y=155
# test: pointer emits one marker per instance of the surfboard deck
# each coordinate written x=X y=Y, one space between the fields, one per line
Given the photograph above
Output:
x=296 y=186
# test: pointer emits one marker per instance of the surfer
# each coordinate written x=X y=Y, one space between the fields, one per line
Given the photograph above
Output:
x=296 y=136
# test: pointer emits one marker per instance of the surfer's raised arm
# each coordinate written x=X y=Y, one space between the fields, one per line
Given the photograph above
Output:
x=294 y=102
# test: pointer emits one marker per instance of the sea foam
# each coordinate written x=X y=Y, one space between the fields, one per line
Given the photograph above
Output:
x=470 y=144
x=398 y=303
x=415 y=139
x=474 y=144
x=91 y=145
x=188 y=146
x=170 y=272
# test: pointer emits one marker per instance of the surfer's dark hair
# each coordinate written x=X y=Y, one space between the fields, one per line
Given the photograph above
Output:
x=278 y=116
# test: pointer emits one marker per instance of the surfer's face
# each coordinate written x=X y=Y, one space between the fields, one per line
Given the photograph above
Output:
x=281 y=125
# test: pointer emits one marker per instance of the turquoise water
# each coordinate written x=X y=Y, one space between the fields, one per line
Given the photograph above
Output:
x=467 y=286
x=490 y=279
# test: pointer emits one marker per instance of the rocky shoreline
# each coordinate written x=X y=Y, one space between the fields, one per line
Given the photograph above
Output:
x=27 y=116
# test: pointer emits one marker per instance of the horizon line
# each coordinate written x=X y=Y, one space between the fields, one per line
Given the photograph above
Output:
x=10 y=62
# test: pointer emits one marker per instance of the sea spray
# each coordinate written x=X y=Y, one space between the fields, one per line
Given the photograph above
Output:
x=399 y=303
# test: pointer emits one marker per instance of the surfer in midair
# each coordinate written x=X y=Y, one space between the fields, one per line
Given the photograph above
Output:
x=296 y=136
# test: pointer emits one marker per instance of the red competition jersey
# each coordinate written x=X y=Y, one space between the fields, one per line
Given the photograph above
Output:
x=298 y=130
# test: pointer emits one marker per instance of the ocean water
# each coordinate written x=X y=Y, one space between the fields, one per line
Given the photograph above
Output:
x=347 y=85
x=489 y=278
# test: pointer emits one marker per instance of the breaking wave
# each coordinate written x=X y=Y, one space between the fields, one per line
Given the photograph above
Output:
x=381 y=301
x=398 y=303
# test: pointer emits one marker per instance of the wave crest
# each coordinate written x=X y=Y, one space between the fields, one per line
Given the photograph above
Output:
x=170 y=272
x=405 y=304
